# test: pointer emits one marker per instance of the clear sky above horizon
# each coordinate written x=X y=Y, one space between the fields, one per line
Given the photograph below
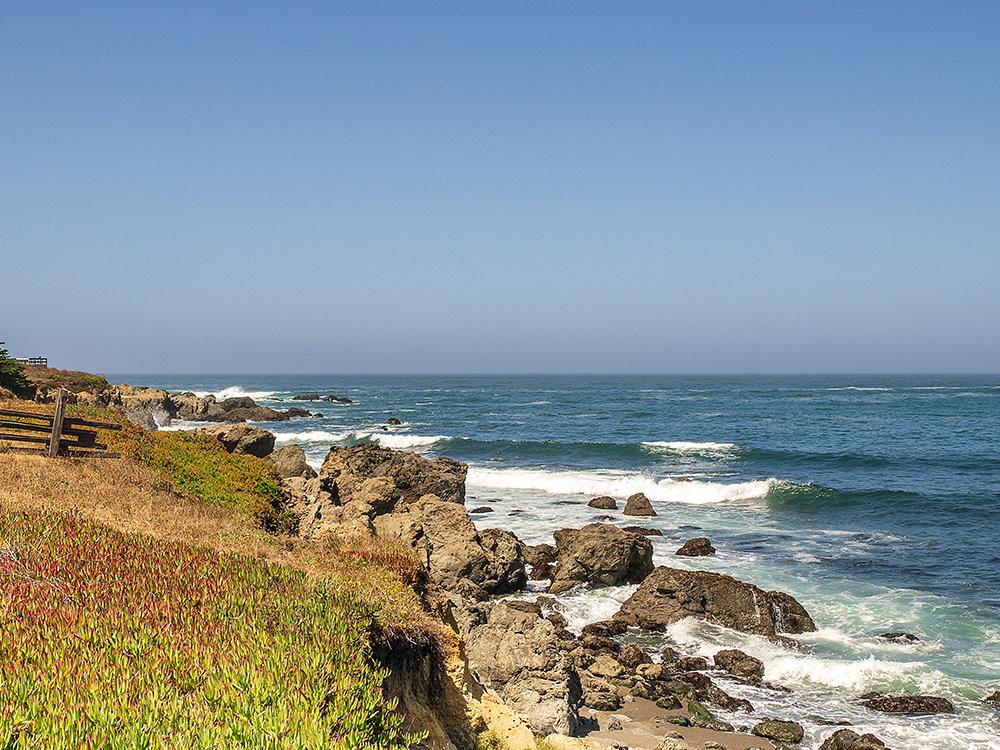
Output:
x=506 y=187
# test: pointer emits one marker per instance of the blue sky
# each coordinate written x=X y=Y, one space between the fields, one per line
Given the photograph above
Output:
x=506 y=187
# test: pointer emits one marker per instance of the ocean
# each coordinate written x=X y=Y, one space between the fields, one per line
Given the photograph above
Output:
x=873 y=500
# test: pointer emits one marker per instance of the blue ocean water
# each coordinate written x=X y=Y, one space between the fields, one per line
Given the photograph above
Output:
x=874 y=500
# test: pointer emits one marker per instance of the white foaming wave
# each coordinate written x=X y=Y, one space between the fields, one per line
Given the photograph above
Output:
x=386 y=440
x=616 y=484
x=681 y=446
x=403 y=442
x=234 y=391
x=859 y=388
x=839 y=673
x=312 y=436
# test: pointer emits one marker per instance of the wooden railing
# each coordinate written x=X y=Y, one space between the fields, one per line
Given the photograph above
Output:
x=44 y=361
x=56 y=432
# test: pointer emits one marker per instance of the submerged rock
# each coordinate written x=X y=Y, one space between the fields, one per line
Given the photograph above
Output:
x=907 y=704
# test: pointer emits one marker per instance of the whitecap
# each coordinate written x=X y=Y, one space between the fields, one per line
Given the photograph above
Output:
x=234 y=391
x=616 y=484
x=682 y=446
x=404 y=442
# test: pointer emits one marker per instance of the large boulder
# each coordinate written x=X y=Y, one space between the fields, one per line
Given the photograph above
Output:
x=516 y=652
x=779 y=731
x=406 y=476
x=668 y=595
x=290 y=460
x=241 y=438
x=456 y=556
x=638 y=505
x=600 y=553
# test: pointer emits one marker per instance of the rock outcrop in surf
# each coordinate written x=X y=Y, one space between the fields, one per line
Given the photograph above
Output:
x=668 y=595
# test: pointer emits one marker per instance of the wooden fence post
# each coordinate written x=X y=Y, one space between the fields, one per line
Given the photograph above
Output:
x=57 y=422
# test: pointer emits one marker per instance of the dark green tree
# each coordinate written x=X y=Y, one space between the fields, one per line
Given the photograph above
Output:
x=12 y=374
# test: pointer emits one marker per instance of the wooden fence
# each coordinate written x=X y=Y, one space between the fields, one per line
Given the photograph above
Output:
x=44 y=361
x=56 y=432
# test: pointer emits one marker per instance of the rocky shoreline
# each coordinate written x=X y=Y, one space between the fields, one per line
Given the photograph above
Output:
x=517 y=670
x=586 y=690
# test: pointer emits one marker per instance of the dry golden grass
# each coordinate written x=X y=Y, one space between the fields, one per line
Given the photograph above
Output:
x=132 y=498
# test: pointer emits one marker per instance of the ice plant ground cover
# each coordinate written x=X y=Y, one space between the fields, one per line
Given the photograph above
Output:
x=113 y=640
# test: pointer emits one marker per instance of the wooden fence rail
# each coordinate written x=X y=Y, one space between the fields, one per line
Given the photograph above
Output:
x=56 y=432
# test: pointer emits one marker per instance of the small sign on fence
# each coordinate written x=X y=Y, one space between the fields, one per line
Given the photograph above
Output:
x=56 y=432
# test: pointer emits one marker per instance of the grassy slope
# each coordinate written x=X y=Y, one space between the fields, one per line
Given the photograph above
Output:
x=143 y=605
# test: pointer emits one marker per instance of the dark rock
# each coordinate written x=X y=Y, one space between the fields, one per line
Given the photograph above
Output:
x=668 y=595
x=308 y=397
x=241 y=438
x=539 y=560
x=692 y=663
x=600 y=644
x=605 y=628
x=642 y=531
x=705 y=690
x=482 y=509
x=393 y=421
x=290 y=460
x=739 y=664
x=845 y=739
x=506 y=561
x=699 y=547
x=668 y=655
x=600 y=553
x=517 y=654
x=632 y=655
x=779 y=731
x=638 y=505
x=295 y=413
x=604 y=503
x=899 y=637
x=669 y=702
x=993 y=698
x=907 y=704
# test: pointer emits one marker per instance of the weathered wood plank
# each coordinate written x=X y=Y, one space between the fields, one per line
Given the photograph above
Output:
x=77 y=422
x=26 y=415
x=25 y=438
x=43 y=439
x=57 y=420
x=11 y=424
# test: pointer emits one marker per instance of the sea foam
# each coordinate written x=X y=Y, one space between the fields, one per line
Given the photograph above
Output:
x=616 y=484
x=234 y=391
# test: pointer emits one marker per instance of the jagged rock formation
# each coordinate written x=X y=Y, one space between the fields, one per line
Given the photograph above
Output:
x=150 y=407
x=600 y=553
x=290 y=460
x=668 y=595
x=514 y=650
